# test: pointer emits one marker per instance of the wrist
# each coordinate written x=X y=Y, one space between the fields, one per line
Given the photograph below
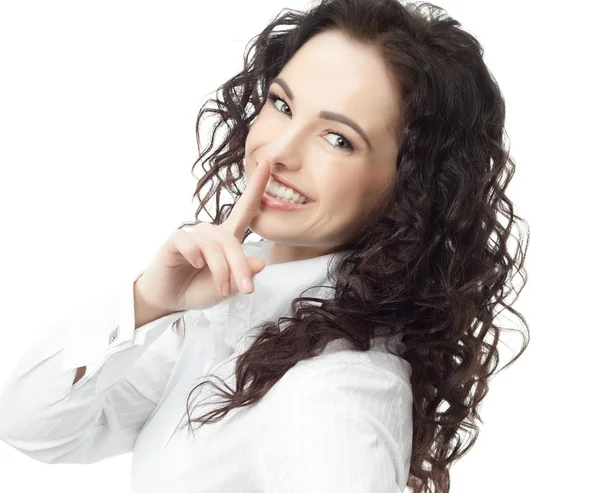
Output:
x=145 y=310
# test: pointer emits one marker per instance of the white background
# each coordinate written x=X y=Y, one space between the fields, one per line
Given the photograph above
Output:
x=98 y=102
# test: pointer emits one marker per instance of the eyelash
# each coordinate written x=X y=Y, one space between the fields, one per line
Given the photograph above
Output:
x=273 y=98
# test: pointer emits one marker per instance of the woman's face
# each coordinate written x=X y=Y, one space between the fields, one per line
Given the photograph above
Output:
x=346 y=171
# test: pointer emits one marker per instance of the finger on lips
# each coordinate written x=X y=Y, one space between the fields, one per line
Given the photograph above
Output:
x=245 y=208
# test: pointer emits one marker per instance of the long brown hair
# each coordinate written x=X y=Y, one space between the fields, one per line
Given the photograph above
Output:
x=435 y=274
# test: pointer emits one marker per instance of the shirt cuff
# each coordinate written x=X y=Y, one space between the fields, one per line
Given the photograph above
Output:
x=107 y=325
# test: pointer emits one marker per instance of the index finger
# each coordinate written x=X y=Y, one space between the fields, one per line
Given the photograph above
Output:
x=247 y=205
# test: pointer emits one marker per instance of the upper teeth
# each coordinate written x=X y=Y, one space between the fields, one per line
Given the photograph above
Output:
x=286 y=193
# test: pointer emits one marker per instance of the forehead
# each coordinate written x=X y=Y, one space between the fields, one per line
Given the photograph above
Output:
x=335 y=73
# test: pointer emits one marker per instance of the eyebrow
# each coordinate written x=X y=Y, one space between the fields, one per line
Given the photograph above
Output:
x=327 y=115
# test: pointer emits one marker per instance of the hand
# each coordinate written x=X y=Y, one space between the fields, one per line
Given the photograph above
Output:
x=191 y=268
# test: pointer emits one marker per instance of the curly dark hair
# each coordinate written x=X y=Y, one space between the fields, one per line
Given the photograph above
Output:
x=437 y=272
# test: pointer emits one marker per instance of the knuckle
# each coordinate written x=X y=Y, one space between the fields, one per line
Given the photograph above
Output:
x=192 y=252
x=225 y=236
x=201 y=231
x=211 y=246
x=178 y=236
x=202 y=225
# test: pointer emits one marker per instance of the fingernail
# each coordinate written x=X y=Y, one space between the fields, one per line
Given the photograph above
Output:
x=247 y=285
x=226 y=288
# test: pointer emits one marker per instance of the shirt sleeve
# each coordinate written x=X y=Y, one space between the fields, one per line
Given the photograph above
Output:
x=337 y=428
x=45 y=416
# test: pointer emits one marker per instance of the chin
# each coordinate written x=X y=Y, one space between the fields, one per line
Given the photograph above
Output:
x=271 y=231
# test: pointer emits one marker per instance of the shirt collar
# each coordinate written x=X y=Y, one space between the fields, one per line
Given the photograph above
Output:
x=275 y=287
x=234 y=322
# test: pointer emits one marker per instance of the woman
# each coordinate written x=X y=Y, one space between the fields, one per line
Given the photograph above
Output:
x=384 y=126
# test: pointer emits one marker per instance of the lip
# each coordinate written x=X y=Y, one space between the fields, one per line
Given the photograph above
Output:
x=279 y=205
x=288 y=184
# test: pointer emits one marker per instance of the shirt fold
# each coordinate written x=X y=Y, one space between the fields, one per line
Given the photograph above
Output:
x=44 y=415
x=340 y=421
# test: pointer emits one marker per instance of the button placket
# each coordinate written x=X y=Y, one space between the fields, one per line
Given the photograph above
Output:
x=239 y=314
x=241 y=304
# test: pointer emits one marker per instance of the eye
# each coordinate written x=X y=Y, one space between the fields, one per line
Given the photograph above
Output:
x=274 y=99
x=341 y=138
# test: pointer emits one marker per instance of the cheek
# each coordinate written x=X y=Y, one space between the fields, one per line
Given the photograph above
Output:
x=261 y=121
x=251 y=135
x=254 y=128
x=346 y=189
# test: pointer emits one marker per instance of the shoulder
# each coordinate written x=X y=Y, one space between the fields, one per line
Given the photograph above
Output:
x=346 y=380
x=346 y=391
x=348 y=422
x=340 y=354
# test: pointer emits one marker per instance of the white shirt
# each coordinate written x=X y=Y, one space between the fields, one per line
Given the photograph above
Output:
x=339 y=422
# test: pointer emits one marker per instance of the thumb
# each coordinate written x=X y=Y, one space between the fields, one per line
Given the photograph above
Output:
x=256 y=264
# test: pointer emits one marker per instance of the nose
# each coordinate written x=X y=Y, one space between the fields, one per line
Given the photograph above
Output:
x=285 y=149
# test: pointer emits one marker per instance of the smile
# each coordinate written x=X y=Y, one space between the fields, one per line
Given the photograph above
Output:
x=284 y=193
x=281 y=205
